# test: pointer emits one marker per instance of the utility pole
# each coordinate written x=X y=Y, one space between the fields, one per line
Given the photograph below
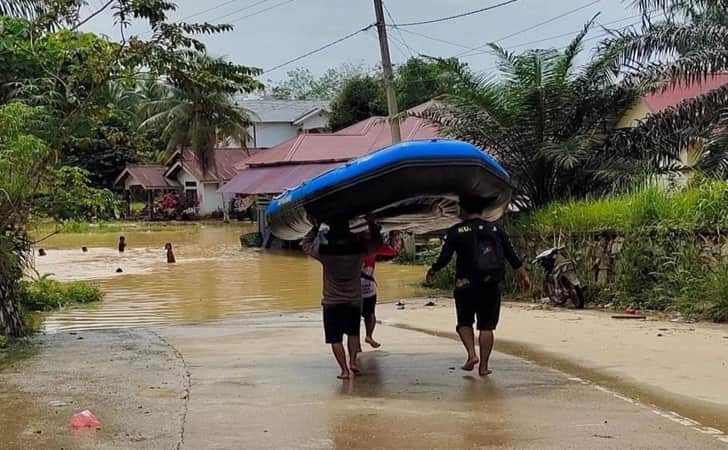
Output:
x=387 y=69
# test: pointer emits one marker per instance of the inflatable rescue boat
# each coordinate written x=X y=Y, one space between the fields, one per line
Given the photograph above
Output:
x=411 y=186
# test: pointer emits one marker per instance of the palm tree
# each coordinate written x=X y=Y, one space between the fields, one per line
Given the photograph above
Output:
x=688 y=45
x=195 y=118
x=546 y=120
x=20 y=8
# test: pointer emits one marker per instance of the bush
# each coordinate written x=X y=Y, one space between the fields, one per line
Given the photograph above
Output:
x=46 y=294
x=3 y=341
x=702 y=205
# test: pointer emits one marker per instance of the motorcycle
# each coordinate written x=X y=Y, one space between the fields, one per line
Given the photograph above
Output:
x=560 y=284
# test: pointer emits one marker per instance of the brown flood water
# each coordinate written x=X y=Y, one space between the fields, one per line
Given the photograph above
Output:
x=213 y=278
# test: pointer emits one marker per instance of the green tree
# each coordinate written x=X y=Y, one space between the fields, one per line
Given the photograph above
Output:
x=199 y=113
x=689 y=44
x=360 y=98
x=56 y=78
x=419 y=80
x=301 y=84
x=546 y=120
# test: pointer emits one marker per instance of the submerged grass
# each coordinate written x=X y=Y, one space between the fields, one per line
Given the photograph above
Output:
x=102 y=227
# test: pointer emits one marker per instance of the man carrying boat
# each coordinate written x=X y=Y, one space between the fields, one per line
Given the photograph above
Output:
x=482 y=248
x=341 y=253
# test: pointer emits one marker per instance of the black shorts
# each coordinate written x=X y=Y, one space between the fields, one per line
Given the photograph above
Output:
x=367 y=306
x=340 y=320
x=483 y=302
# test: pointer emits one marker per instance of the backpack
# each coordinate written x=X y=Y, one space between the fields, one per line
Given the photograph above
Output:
x=490 y=266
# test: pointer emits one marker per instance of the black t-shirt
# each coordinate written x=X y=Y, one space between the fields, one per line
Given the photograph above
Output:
x=459 y=239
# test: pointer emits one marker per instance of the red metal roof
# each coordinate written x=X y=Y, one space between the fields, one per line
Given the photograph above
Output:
x=147 y=177
x=222 y=169
x=672 y=96
x=274 y=179
x=351 y=142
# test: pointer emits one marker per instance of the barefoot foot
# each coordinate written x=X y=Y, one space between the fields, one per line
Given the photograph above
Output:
x=354 y=367
x=470 y=364
x=372 y=343
x=344 y=375
x=484 y=371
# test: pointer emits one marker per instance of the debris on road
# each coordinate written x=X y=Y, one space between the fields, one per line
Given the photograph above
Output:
x=84 y=419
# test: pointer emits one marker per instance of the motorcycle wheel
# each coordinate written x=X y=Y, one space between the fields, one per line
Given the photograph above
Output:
x=551 y=292
x=572 y=292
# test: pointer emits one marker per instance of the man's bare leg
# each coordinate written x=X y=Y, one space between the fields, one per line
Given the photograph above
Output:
x=369 y=323
x=486 y=340
x=468 y=337
x=354 y=344
x=340 y=355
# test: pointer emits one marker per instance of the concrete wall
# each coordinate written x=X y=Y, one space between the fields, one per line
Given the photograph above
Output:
x=638 y=112
x=318 y=121
x=271 y=134
x=211 y=201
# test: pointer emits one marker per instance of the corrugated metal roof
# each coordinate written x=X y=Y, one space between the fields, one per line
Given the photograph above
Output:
x=660 y=101
x=274 y=179
x=287 y=111
x=223 y=168
x=357 y=140
x=147 y=177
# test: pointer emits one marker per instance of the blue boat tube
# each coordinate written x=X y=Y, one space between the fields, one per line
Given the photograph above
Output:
x=412 y=186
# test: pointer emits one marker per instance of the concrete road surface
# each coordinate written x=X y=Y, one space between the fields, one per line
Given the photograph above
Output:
x=270 y=383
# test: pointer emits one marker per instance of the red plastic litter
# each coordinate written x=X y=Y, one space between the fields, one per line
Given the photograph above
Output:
x=84 y=419
x=630 y=311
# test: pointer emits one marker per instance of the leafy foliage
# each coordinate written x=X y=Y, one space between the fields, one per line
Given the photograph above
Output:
x=196 y=117
x=546 y=120
x=55 y=89
x=687 y=46
x=360 y=98
x=301 y=84
x=45 y=294
x=419 y=80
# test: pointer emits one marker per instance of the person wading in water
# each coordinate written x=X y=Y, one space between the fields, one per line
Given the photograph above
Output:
x=341 y=254
x=482 y=248
x=170 y=253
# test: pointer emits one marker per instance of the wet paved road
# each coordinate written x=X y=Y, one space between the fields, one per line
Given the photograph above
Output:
x=270 y=383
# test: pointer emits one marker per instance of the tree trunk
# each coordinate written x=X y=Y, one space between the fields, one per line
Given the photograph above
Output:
x=11 y=322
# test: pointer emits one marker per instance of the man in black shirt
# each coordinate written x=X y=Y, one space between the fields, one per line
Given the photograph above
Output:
x=475 y=294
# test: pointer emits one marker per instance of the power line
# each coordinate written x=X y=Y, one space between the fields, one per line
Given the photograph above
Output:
x=401 y=36
x=457 y=16
x=319 y=49
x=239 y=10
x=547 y=21
x=396 y=44
x=432 y=38
x=223 y=4
x=257 y=13
x=570 y=33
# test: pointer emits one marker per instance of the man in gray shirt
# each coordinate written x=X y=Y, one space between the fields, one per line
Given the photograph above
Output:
x=341 y=253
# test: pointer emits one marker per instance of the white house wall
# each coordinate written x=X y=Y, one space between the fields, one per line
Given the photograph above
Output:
x=211 y=201
x=268 y=135
x=318 y=121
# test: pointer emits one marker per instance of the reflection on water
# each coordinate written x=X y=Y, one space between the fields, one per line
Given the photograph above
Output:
x=213 y=278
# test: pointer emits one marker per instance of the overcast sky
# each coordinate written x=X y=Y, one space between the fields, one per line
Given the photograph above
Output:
x=276 y=31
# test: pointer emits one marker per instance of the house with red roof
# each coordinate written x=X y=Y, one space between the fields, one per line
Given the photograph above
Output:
x=673 y=96
x=308 y=155
x=183 y=173
x=286 y=165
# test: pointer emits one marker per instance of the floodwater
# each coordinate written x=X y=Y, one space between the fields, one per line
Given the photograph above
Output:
x=214 y=278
